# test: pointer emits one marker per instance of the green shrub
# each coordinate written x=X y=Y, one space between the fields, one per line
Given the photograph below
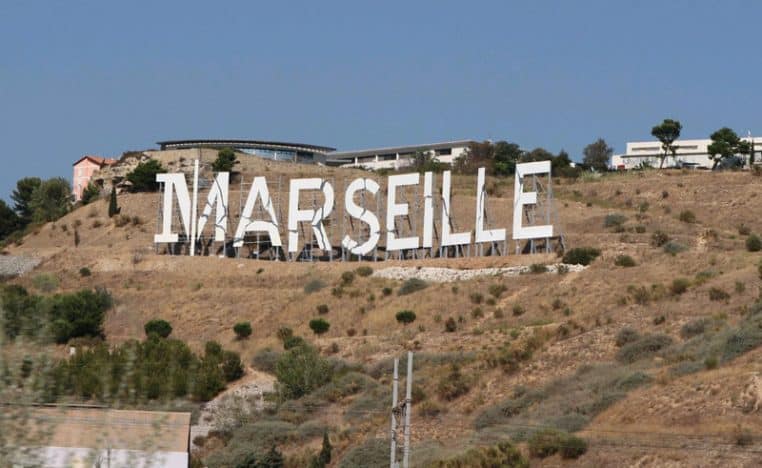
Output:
x=687 y=216
x=301 y=370
x=679 y=286
x=364 y=271
x=547 y=442
x=90 y=193
x=659 y=238
x=319 y=326
x=313 y=285
x=645 y=347
x=225 y=161
x=265 y=360
x=614 y=220
x=581 y=255
x=674 y=247
x=293 y=342
x=386 y=291
x=84 y=271
x=450 y=325
x=405 y=316
x=501 y=455
x=78 y=314
x=753 y=243
x=476 y=297
x=143 y=177
x=624 y=261
x=453 y=385
x=232 y=367
x=411 y=285
x=45 y=282
x=518 y=310
x=242 y=330
x=347 y=278
x=626 y=335
x=694 y=328
x=537 y=268
x=640 y=229
x=373 y=453
x=718 y=294
x=497 y=290
x=159 y=327
x=322 y=309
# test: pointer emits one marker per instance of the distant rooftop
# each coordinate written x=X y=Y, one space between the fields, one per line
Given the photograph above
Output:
x=399 y=149
x=253 y=144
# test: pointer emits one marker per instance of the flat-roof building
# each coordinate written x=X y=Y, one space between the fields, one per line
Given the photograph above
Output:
x=689 y=153
x=396 y=157
x=275 y=150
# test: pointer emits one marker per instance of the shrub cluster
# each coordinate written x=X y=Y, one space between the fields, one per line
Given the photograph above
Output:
x=547 y=442
x=503 y=454
x=624 y=261
x=411 y=285
x=153 y=369
x=644 y=347
x=581 y=255
x=753 y=243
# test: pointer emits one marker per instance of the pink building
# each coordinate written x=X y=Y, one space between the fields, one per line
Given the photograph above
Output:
x=84 y=169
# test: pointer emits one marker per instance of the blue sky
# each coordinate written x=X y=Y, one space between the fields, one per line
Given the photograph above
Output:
x=105 y=77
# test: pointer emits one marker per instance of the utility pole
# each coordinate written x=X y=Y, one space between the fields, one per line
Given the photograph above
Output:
x=401 y=410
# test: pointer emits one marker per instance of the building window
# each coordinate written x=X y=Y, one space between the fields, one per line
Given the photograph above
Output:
x=444 y=152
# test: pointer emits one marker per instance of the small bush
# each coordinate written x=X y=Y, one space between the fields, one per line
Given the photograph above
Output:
x=84 y=271
x=158 y=327
x=386 y=291
x=121 y=220
x=405 y=316
x=537 y=268
x=645 y=347
x=717 y=294
x=674 y=247
x=411 y=285
x=679 y=286
x=744 y=230
x=45 y=282
x=687 y=216
x=518 y=310
x=659 y=238
x=547 y=442
x=497 y=290
x=322 y=309
x=265 y=360
x=450 y=325
x=477 y=312
x=364 y=271
x=581 y=256
x=614 y=220
x=753 y=243
x=313 y=285
x=640 y=229
x=476 y=297
x=453 y=385
x=319 y=326
x=242 y=330
x=624 y=261
x=347 y=278
x=694 y=328
x=626 y=335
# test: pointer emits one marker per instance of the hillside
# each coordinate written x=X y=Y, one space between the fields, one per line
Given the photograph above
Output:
x=540 y=351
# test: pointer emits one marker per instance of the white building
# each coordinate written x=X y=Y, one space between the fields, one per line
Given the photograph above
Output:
x=396 y=157
x=690 y=153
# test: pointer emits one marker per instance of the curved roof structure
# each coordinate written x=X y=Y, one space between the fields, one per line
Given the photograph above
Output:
x=253 y=144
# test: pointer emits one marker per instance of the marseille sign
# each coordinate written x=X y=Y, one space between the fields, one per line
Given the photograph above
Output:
x=266 y=222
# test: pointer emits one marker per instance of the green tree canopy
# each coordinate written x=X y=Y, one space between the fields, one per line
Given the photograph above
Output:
x=725 y=145
x=9 y=221
x=22 y=197
x=143 y=177
x=300 y=370
x=51 y=200
x=90 y=193
x=225 y=161
x=667 y=132
x=597 y=155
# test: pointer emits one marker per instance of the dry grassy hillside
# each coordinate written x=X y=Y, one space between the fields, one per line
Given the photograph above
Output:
x=683 y=404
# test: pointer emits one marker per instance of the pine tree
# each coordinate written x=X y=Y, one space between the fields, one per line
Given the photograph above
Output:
x=113 y=208
x=325 y=452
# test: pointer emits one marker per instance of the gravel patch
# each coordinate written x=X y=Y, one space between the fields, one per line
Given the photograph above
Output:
x=446 y=275
x=11 y=265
